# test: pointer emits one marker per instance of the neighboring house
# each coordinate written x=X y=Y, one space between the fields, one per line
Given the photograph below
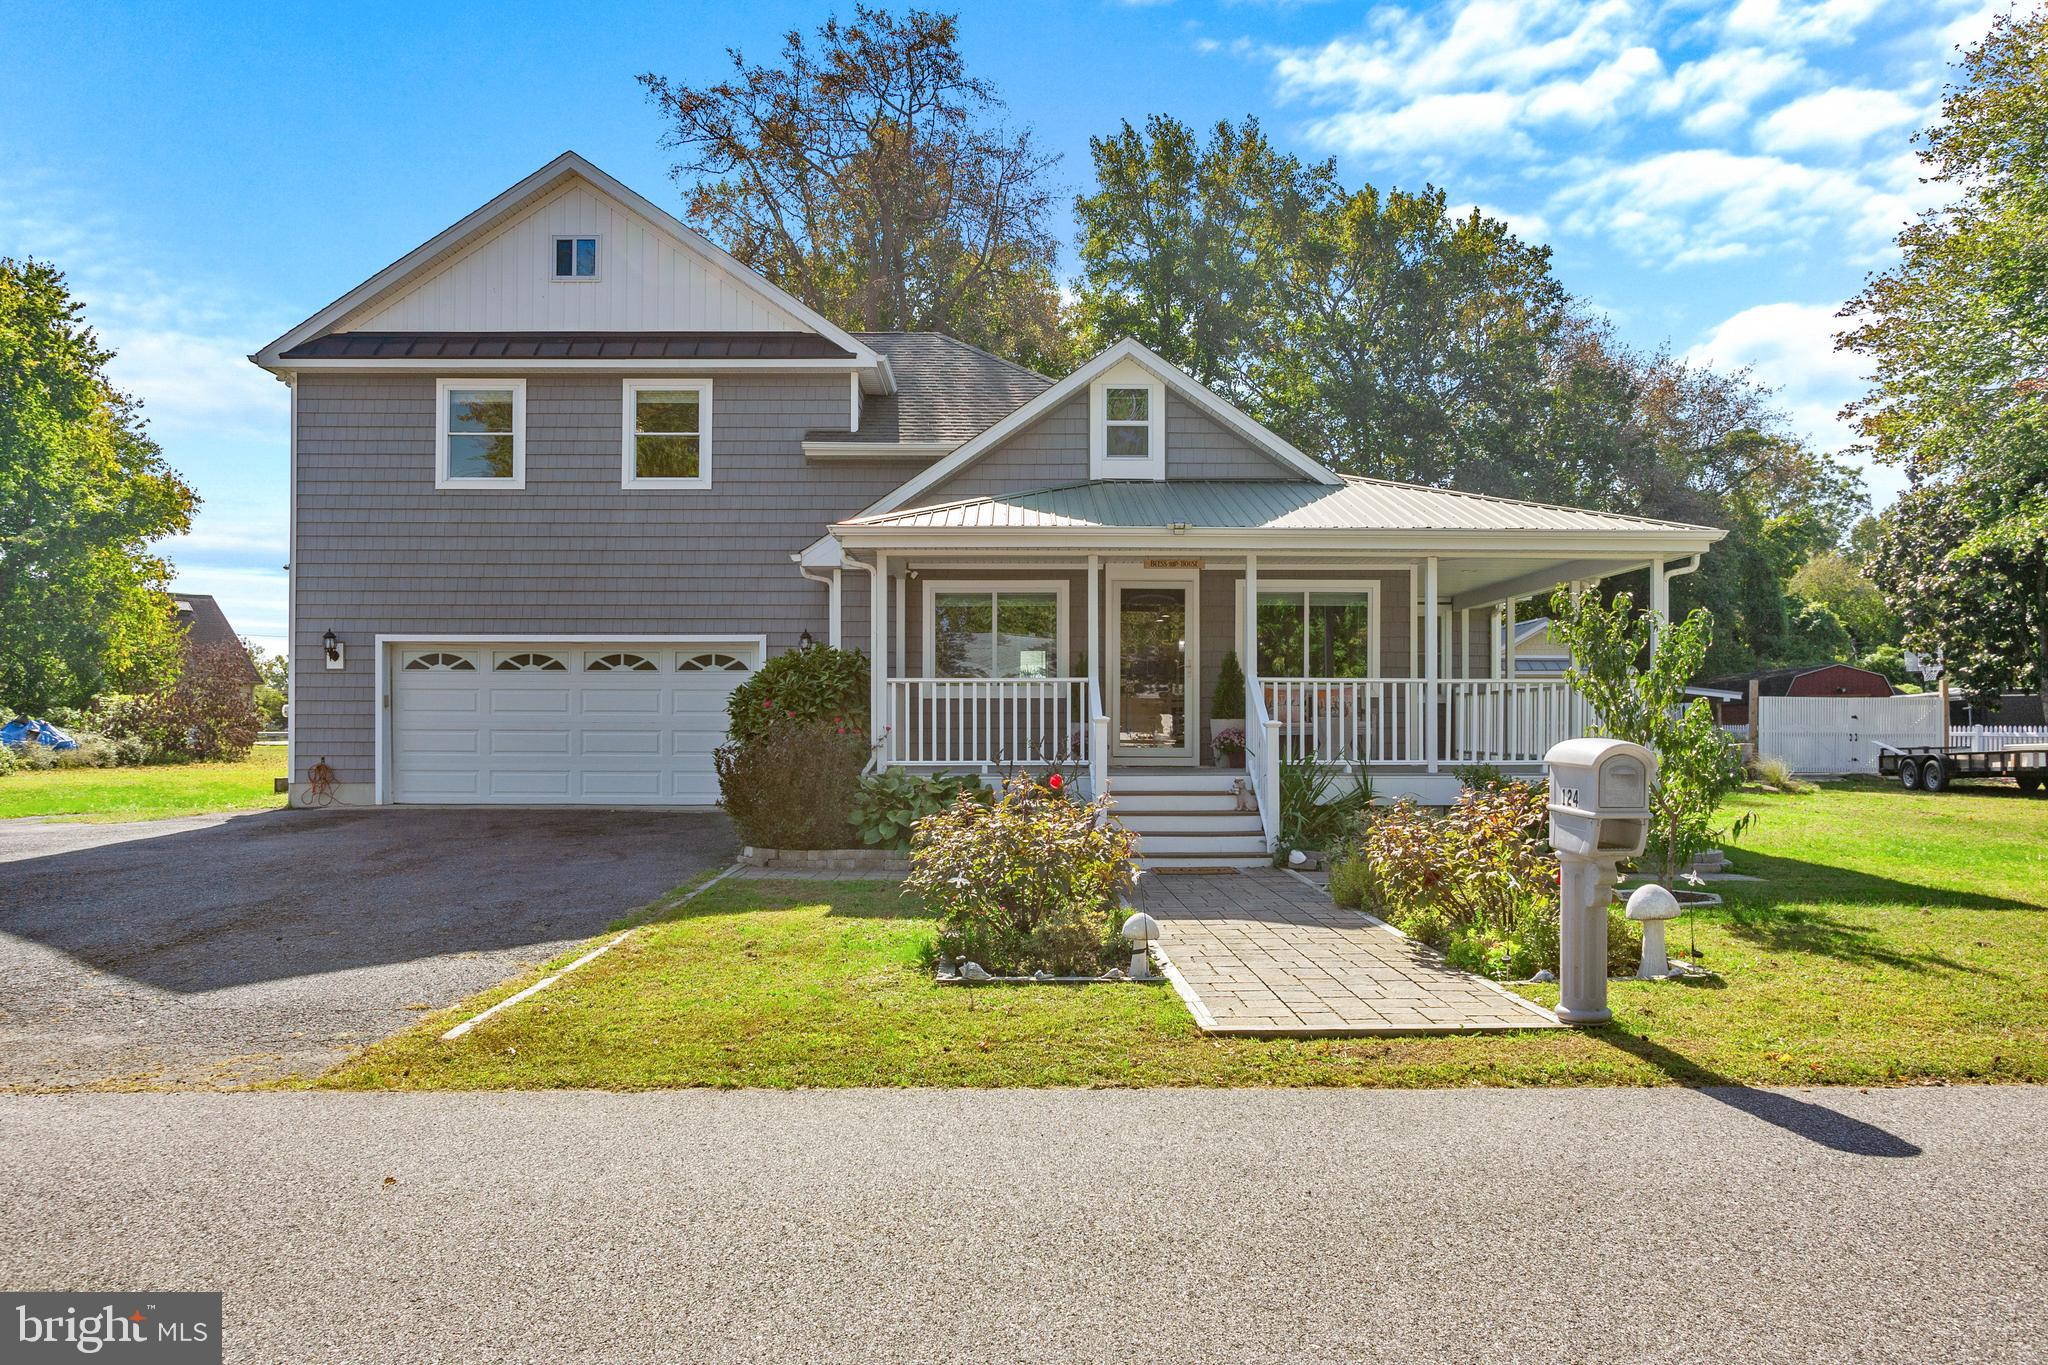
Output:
x=1731 y=694
x=204 y=623
x=564 y=475
x=1536 y=655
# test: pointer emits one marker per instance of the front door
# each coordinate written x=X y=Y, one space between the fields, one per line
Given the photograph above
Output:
x=1154 y=646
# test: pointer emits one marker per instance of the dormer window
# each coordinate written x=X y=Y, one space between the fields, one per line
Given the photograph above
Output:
x=575 y=258
x=1129 y=416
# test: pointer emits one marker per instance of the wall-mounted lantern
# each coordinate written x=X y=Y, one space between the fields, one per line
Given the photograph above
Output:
x=332 y=648
x=804 y=641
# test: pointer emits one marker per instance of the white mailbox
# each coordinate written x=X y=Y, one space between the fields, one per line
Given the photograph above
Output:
x=1600 y=797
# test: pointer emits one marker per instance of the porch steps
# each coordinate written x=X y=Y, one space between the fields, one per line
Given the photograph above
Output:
x=1189 y=817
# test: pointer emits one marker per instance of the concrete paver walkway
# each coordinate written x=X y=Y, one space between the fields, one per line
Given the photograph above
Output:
x=1263 y=952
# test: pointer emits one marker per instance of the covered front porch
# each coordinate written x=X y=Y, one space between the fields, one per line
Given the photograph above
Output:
x=1011 y=632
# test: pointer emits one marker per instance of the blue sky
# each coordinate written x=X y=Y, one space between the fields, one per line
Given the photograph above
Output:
x=1717 y=177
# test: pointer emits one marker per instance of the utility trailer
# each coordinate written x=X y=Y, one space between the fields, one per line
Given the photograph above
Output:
x=1930 y=768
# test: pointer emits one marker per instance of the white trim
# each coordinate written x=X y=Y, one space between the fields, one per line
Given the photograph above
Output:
x=384 y=644
x=853 y=404
x=442 y=478
x=1375 y=641
x=1115 y=578
x=630 y=391
x=928 y=662
x=563 y=166
x=926 y=451
x=525 y=365
x=596 y=240
x=1127 y=349
x=1101 y=464
x=1623 y=549
x=291 y=591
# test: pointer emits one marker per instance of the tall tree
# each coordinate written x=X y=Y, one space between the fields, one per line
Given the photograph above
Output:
x=1957 y=337
x=83 y=492
x=1178 y=239
x=869 y=176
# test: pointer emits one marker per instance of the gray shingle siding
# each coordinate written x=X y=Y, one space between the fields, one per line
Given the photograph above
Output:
x=1054 y=450
x=380 y=550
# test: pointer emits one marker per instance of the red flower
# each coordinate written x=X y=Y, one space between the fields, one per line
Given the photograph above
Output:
x=1055 y=781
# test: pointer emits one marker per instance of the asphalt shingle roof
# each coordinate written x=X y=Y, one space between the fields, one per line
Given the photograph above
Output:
x=946 y=391
x=1257 y=504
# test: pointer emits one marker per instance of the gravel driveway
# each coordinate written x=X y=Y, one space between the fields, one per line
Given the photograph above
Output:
x=223 y=948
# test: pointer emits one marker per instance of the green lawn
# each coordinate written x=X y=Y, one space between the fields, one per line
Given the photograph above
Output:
x=145 y=793
x=1897 y=938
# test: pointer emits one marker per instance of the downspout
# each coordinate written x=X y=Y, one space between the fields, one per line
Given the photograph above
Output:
x=831 y=586
x=878 y=607
x=1690 y=566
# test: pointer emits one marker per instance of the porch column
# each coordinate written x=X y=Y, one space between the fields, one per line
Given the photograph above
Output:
x=1098 y=705
x=1507 y=693
x=878 y=652
x=902 y=616
x=833 y=612
x=1660 y=600
x=1493 y=656
x=1431 y=650
x=1095 y=622
x=1248 y=648
x=1508 y=651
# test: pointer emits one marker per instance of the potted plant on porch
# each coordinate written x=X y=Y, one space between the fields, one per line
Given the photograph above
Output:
x=1226 y=713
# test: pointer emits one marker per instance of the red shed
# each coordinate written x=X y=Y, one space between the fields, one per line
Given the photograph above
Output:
x=1806 y=680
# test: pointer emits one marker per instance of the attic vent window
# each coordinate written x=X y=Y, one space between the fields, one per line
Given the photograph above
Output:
x=575 y=258
x=1130 y=424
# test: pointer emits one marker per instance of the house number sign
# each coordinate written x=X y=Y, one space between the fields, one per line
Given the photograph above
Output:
x=1173 y=563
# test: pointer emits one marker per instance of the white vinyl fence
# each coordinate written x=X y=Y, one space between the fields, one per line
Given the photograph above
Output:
x=1985 y=739
x=1839 y=736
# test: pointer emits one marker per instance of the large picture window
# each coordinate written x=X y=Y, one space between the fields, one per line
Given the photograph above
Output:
x=1316 y=633
x=982 y=630
x=668 y=433
x=480 y=433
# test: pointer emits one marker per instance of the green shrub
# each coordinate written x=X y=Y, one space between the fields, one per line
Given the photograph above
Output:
x=1478 y=775
x=792 y=785
x=1228 y=701
x=1310 y=816
x=1351 y=884
x=815 y=684
x=1030 y=882
x=1478 y=882
x=93 y=751
x=890 y=803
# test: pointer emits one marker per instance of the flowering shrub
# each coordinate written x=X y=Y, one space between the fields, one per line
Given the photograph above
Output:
x=1030 y=882
x=209 y=713
x=1479 y=882
x=1230 y=741
x=815 y=684
x=792 y=784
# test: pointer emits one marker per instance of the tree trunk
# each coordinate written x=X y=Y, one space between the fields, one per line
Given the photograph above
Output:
x=2041 y=629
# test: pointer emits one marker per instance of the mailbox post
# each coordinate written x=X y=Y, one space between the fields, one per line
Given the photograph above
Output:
x=1599 y=815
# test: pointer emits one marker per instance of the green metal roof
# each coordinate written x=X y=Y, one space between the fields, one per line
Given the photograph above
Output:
x=1277 y=505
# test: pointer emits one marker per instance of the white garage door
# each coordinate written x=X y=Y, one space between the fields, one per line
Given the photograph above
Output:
x=560 y=724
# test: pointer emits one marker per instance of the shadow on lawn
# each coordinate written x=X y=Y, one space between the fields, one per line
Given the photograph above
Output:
x=1820 y=933
x=1787 y=878
x=1802 y=1118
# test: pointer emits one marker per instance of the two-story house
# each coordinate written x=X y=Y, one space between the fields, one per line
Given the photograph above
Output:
x=565 y=474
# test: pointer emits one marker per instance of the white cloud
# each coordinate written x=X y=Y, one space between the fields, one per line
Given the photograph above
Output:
x=1791 y=348
x=1841 y=120
x=1710 y=205
x=1800 y=21
x=1715 y=94
x=1530 y=227
x=197 y=383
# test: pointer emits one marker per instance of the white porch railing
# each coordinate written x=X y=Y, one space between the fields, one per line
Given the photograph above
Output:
x=1263 y=741
x=1097 y=742
x=991 y=722
x=1354 y=721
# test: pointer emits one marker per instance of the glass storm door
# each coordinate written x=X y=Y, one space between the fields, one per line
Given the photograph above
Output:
x=1152 y=658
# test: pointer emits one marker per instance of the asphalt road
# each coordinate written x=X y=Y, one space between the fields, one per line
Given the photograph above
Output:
x=1469 y=1225
x=222 y=949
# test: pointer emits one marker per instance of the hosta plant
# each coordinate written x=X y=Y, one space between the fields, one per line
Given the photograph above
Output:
x=889 y=804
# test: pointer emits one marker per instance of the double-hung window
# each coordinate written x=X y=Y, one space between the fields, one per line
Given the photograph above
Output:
x=480 y=433
x=575 y=258
x=667 y=433
x=1127 y=423
x=995 y=630
x=1316 y=633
